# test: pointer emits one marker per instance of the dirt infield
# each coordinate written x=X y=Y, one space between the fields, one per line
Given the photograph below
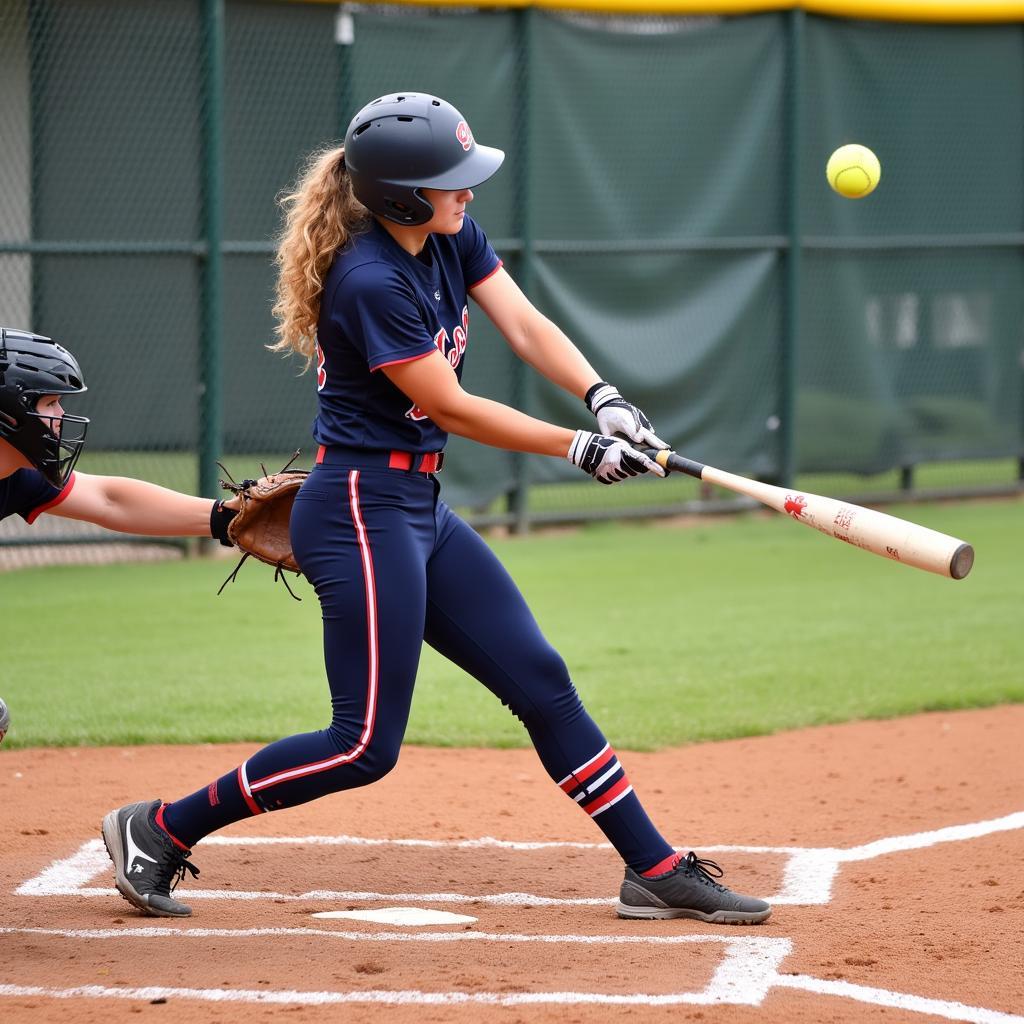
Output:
x=893 y=852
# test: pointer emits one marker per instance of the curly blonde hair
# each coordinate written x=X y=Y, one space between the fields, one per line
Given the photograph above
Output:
x=321 y=215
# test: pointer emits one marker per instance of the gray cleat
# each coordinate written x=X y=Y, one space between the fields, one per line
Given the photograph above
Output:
x=146 y=861
x=688 y=890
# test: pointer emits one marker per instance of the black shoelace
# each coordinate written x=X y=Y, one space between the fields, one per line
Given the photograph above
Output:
x=705 y=871
x=173 y=865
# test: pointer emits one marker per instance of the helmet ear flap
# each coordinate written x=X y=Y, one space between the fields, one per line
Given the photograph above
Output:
x=411 y=209
x=398 y=211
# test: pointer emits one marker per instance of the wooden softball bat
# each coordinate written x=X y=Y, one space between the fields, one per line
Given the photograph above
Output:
x=865 y=528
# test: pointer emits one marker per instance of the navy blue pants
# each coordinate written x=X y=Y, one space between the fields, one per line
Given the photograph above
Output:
x=393 y=566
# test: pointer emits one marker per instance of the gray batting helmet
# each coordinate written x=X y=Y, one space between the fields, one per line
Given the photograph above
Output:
x=404 y=142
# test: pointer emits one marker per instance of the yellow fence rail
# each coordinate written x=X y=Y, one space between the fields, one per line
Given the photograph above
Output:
x=964 y=11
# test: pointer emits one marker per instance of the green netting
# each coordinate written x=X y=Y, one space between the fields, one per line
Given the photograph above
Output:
x=663 y=200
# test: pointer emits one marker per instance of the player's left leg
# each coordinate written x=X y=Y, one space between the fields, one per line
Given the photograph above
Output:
x=477 y=618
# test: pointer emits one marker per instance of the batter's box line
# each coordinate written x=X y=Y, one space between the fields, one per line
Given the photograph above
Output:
x=748 y=968
x=748 y=971
x=807 y=879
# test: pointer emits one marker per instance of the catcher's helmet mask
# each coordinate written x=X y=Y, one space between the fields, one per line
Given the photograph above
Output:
x=404 y=142
x=32 y=366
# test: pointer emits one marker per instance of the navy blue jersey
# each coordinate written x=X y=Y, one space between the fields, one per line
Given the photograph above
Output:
x=27 y=493
x=383 y=306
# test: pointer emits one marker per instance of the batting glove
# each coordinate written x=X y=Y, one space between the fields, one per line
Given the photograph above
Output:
x=617 y=416
x=607 y=459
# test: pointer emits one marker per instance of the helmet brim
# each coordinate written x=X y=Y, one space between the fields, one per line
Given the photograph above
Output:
x=474 y=170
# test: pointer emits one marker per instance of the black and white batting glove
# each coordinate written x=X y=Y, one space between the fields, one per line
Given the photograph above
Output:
x=607 y=459
x=617 y=416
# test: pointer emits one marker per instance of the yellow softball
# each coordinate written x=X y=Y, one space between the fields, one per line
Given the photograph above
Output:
x=853 y=171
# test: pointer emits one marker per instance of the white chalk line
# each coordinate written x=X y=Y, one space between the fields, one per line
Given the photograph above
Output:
x=918 y=840
x=807 y=879
x=746 y=974
x=743 y=977
x=496 y=899
x=67 y=877
x=751 y=944
x=405 y=998
x=897 y=1000
x=809 y=874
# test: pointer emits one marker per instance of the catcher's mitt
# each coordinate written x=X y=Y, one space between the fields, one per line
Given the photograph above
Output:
x=260 y=527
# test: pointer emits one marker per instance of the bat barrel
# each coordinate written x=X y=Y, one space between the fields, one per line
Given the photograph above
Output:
x=869 y=529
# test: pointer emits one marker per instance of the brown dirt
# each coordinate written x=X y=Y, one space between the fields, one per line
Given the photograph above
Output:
x=939 y=922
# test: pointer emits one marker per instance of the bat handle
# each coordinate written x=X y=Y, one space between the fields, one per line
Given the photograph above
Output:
x=669 y=460
x=674 y=463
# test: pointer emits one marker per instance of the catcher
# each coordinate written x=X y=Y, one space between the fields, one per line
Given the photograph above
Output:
x=40 y=445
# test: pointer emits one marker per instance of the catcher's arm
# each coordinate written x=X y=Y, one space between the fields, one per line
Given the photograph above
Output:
x=137 y=506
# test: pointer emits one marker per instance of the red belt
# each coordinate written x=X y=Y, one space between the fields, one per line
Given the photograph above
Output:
x=420 y=462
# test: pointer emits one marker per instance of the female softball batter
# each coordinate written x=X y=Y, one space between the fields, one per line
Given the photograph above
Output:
x=375 y=266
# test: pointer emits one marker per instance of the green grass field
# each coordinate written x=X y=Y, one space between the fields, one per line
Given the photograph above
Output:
x=673 y=634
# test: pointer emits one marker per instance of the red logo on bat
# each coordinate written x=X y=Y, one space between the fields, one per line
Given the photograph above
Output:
x=464 y=135
x=795 y=505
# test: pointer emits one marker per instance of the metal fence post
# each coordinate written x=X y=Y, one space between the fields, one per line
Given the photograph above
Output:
x=344 y=44
x=36 y=320
x=518 y=496
x=791 y=299
x=212 y=331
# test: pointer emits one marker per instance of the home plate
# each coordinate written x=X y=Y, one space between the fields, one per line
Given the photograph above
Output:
x=410 y=916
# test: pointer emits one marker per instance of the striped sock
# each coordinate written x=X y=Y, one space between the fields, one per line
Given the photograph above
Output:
x=601 y=787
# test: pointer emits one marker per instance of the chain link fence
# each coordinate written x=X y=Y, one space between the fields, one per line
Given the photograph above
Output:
x=663 y=199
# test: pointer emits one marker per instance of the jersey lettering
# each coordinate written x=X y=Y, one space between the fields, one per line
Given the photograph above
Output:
x=453 y=351
x=321 y=373
x=461 y=336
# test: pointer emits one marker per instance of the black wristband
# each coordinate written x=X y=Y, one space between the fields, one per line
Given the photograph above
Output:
x=219 y=519
x=593 y=390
